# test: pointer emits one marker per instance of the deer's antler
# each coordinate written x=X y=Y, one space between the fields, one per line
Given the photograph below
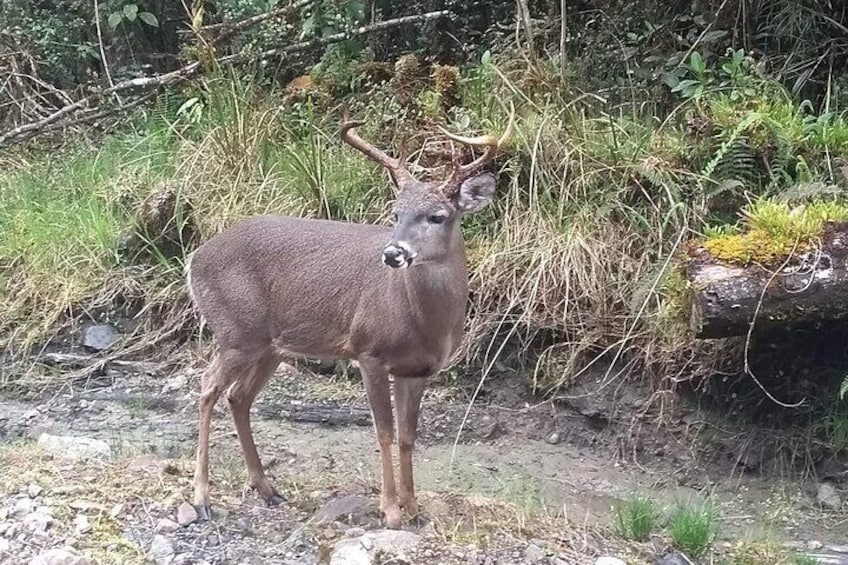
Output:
x=396 y=167
x=461 y=173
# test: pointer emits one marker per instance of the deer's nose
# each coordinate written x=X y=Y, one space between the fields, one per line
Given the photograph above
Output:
x=398 y=255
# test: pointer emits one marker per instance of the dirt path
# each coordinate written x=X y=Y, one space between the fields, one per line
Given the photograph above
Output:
x=556 y=476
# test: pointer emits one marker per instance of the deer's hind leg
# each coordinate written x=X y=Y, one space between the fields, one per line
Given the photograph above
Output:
x=215 y=379
x=240 y=397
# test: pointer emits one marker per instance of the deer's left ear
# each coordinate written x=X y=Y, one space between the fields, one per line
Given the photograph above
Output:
x=476 y=193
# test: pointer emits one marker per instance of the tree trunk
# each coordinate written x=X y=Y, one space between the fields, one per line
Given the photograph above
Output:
x=812 y=287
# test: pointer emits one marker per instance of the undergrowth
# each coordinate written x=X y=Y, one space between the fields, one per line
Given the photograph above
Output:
x=574 y=262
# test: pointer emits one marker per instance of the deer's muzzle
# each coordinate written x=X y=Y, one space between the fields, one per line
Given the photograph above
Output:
x=398 y=255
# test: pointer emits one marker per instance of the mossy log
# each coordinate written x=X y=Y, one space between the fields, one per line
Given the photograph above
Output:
x=810 y=287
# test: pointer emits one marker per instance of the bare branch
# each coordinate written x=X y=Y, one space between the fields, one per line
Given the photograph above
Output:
x=27 y=130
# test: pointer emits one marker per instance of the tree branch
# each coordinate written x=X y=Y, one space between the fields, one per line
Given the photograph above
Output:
x=30 y=129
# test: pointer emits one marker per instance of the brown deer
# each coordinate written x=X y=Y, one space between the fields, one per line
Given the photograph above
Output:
x=276 y=288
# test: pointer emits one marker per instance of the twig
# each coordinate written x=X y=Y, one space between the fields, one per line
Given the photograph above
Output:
x=100 y=44
x=229 y=28
x=28 y=130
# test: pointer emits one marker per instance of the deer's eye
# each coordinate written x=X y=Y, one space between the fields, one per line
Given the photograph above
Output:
x=437 y=218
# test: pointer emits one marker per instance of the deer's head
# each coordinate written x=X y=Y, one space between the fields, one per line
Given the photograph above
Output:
x=428 y=214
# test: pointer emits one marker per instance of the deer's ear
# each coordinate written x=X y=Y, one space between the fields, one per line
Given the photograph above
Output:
x=476 y=193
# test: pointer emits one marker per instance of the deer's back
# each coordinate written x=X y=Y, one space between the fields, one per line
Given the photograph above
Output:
x=315 y=288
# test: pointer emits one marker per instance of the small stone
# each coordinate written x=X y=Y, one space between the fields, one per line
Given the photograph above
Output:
x=186 y=514
x=161 y=551
x=166 y=526
x=606 y=560
x=354 y=532
x=81 y=524
x=99 y=337
x=37 y=521
x=533 y=553
x=350 y=509
x=553 y=439
x=4 y=513
x=672 y=559
x=59 y=556
x=814 y=545
x=22 y=506
x=828 y=496
x=838 y=548
x=367 y=542
x=72 y=447
x=175 y=384
x=5 y=545
x=33 y=490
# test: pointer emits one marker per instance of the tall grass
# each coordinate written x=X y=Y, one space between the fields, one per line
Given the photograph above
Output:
x=573 y=263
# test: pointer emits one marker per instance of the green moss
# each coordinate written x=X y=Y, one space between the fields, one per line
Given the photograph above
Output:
x=774 y=230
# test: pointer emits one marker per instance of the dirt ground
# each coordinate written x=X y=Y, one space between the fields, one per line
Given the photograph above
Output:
x=527 y=482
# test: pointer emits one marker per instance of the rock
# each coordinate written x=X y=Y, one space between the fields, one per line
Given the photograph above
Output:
x=672 y=559
x=828 y=496
x=59 y=556
x=362 y=550
x=23 y=506
x=99 y=337
x=606 y=560
x=351 y=509
x=166 y=526
x=5 y=545
x=161 y=551
x=186 y=514
x=553 y=439
x=175 y=384
x=354 y=532
x=81 y=524
x=33 y=490
x=38 y=521
x=533 y=553
x=74 y=447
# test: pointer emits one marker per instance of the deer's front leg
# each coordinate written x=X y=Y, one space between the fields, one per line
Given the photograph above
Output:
x=408 y=392
x=379 y=397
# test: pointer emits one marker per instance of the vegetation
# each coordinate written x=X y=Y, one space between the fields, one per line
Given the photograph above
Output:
x=693 y=527
x=615 y=163
x=636 y=518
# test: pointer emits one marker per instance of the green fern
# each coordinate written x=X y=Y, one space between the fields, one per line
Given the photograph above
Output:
x=731 y=146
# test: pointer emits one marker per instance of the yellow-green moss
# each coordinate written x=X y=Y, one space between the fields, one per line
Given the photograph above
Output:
x=773 y=230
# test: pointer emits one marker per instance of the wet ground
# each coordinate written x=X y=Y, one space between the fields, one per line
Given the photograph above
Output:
x=527 y=482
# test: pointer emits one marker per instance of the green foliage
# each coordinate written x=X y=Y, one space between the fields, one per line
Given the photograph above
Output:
x=55 y=34
x=693 y=527
x=121 y=12
x=636 y=518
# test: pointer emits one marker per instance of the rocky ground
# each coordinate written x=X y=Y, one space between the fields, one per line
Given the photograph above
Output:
x=100 y=472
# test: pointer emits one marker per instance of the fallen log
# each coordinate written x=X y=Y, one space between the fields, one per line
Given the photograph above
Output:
x=328 y=415
x=811 y=286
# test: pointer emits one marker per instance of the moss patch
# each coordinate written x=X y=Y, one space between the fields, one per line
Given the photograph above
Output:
x=774 y=230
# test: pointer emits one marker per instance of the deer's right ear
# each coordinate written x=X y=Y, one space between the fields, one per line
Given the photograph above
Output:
x=476 y=193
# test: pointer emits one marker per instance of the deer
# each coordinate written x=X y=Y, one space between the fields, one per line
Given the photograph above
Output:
x=389 y=298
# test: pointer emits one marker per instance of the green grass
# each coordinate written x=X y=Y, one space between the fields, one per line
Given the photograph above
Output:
x=592 y=202
x=693 y=527
x=636 y=518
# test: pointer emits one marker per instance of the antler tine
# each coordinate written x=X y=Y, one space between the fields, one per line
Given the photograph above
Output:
x=490 y=142
x=395 y=167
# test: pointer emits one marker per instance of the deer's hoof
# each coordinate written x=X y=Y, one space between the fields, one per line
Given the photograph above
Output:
x=204 y=512
x=273 y=499
x=393 y=518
